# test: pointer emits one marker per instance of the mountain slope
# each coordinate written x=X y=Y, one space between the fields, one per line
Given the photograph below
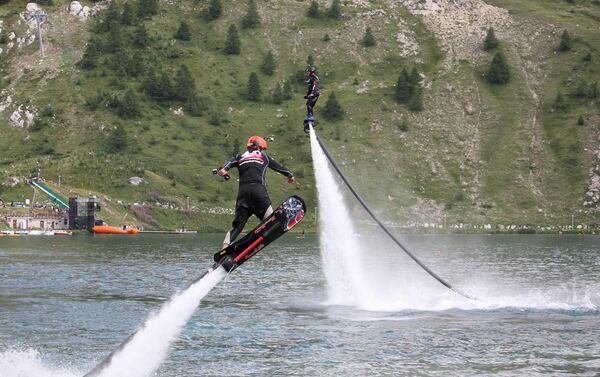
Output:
x=477 y=153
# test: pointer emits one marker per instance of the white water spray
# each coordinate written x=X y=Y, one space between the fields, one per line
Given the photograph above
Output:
x=147 y=349
x=339 y=243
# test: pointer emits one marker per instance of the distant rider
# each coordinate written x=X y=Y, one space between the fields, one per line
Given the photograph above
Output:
x=252 y=198
x=313 y=91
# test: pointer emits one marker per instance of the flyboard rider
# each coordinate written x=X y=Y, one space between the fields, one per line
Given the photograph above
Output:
x=252 y=198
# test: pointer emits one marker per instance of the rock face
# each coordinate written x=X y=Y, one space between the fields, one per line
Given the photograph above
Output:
x=136 y=181
x=80 y=11
x=23 y=116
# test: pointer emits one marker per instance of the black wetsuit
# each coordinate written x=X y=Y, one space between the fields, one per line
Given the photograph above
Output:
x=252 y=198
x=313 y=94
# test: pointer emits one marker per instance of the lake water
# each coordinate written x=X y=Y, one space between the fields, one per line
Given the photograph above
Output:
x=65 y=303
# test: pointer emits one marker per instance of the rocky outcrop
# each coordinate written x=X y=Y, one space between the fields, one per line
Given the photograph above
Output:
x=80 y=11
x=23 y=116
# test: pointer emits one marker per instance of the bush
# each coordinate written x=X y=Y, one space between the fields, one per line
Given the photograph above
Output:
x=129 y=106
x=580 y=121
x=147 y=8
x=416 y=100
x=403 y=87
x=232 y=43
x=326 y=38
x=127 y=17
x=560 y=102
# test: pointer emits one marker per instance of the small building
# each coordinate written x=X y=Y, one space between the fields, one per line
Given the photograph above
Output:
x=44 y=220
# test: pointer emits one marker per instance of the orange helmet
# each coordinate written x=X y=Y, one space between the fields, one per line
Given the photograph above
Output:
x=257 y=142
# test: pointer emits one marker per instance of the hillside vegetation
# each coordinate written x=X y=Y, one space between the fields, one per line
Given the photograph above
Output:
x=161 y=90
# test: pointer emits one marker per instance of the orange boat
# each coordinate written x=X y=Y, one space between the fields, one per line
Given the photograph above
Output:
x=106 y=229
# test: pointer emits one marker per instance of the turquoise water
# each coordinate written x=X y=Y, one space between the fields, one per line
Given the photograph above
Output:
x=65 y=303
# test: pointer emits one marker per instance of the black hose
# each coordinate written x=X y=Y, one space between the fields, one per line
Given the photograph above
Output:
x=383 y=227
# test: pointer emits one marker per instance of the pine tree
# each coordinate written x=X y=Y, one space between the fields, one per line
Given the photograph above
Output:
x=416 y=99
x=185 y=85
x=141 y=38
x=326 y=37
x=490 y=42
x=310 y=60
x=116 y=39
x=414 y=80
x=333 y=110
x=90 y=56
x=253 y=92
x=129 y=106
x=117 y=141
x=581 y=90
x=593 y=91
x=111 y=17
x=404 y=124
x=277 y=94
x=403 y=87
x=313 y=10
x=127 y=15
x=335 y=10
x=565 y=42
x=147 y=8
x=587 y=57
x=499 y=72
x=232 y=44
x=580 y=121
x=214 y=10
x=251 y=19
x=287 y=90
x=268 y=65
x=368 y=39
x=183 y=33
x=560 y=103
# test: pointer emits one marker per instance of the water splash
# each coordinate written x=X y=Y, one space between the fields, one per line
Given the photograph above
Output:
x=361 y=271
x=143 y=353
x=29 y=363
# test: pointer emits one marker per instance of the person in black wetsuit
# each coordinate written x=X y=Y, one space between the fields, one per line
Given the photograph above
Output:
x=313 y=91
x=252 y=198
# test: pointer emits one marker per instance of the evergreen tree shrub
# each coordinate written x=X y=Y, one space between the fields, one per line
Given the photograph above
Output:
x=232 y=43
x=89 y=60
x=313 y=10
x=268 y=65
x=147 y=8
x=593 y=91
x=326 y=37
x=490 y=42
x=277 y=94
x=183 y=33
x=368 y=39
x=251 y=19
x=499 y=71
x=404 y=124
x=141 y=38
x=253 y=88
x=565 y=42
x=560 y=103
x=580 y=121
x=127 y=16
x=117 y=140
x=333 y=110
x=287 y=90
x=416 y=99
x=129 y=106
x=214 y=10
x=185 y=85
x=403 y=87
x=335 y=10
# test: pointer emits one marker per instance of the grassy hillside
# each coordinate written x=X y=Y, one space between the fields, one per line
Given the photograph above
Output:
x=515 y=159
